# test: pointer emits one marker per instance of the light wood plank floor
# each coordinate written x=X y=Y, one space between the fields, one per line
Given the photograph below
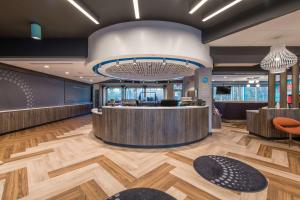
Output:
x=63 y=160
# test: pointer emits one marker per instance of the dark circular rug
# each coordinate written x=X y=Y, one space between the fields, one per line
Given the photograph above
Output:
x=230 y=173
x=141 y=194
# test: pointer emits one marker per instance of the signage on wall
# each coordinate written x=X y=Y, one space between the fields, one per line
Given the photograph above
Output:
x=205 y=79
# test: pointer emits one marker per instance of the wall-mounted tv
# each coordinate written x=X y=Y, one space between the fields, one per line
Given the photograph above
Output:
x=223 y=90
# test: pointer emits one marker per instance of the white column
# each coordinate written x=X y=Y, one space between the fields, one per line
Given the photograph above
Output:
x=203 y=87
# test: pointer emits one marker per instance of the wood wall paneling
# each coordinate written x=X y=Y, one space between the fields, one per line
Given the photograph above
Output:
x=21 y=119
x=271 y=90
x=283 y=90
x=151 y=127
x=260 y=123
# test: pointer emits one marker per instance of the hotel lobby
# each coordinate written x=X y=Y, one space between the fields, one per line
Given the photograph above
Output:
x=150 y=100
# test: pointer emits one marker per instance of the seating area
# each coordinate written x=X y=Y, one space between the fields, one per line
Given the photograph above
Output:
x=260 y=122
x=287 y=125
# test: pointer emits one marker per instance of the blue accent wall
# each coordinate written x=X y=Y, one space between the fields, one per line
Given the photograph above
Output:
x=21 y=89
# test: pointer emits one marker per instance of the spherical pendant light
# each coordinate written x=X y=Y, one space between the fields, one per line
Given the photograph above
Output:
x=278 y=60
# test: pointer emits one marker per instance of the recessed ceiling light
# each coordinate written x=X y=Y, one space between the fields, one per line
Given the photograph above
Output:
x=136 y=9
x=197 y=6
x=225 y=76
x=46 y=66
x=81 y=77
x=248 y=85
x=67 y=73
x=83 y=11
x=134 y=62
x=221 y=10
x=91 y=80
x=257 y=85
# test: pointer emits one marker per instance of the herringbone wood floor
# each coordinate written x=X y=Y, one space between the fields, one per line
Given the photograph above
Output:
x=63 y=160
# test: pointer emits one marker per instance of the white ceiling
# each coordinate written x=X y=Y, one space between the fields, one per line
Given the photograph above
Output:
x=237 y=78
x=58 y=67
x=282 y=30
x=244 y=78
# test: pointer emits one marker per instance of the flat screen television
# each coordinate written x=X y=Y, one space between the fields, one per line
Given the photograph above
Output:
x=223 y=90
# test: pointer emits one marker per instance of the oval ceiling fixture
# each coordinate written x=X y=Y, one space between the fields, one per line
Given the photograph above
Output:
x=147 y=68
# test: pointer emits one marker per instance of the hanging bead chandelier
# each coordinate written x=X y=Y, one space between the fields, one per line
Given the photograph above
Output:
x=278 y=60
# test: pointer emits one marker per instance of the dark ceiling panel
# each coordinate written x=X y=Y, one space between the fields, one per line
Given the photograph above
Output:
x=111 y=11
x=255 y=70
x=57 y=47
x=59 y=19
x=243 y=54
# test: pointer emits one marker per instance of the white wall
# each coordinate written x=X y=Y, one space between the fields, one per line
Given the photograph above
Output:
x=203 y=87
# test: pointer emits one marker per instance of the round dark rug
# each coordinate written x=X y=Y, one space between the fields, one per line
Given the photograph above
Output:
x=230 y=173
x=141 y=194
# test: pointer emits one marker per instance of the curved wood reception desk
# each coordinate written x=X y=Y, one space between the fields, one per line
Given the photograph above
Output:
x=151 y=126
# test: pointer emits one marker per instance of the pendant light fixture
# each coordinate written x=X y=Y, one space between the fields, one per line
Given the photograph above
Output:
x=36 y=31
x=278 y=60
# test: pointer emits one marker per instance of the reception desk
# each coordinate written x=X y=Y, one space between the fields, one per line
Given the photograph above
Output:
x=151 y=126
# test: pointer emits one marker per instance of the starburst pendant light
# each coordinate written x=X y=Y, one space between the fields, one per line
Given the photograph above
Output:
x=278 y=60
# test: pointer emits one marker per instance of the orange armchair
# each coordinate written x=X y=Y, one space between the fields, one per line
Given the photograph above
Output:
x=287 y=125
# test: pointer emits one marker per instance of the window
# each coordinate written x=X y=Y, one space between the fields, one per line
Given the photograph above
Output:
x=154 y=94
x=134 y=93
x=113 y=93
x=243 y=93
x=139 y=93
x=255 y=94
x=177 y=88
x=289 y=89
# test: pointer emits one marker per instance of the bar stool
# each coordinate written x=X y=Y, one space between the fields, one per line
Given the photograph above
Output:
x=287 y=125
